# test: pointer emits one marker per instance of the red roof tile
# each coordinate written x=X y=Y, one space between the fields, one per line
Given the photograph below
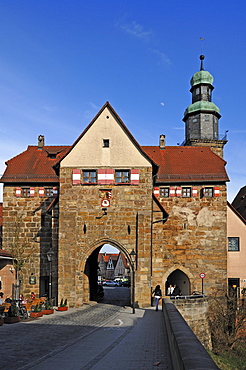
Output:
x=34 y=165
x=187 y=164
x=4 y=253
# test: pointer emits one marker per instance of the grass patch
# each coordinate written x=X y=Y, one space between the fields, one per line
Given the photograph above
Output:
x=234 y=359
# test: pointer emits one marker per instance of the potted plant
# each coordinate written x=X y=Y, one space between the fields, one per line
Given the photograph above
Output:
x=63 y=305
x=48 y=307
x=37 y=311
x=12 y=314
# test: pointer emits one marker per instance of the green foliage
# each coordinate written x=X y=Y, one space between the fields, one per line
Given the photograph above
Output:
x=38 y=308
x=63 y=303
x=48 y=305
x=13 y=310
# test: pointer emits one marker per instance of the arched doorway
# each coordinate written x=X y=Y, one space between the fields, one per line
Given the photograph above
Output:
x=107 y=269
x=179 y=278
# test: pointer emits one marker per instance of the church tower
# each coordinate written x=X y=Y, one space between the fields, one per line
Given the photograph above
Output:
x=202 y=116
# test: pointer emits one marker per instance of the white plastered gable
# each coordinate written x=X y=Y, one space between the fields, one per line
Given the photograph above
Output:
x=89 y=151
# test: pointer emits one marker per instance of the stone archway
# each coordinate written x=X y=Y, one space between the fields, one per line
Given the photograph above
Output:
x=90 y=267
x=179 y=277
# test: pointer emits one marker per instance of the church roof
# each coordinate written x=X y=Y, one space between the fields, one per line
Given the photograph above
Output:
x=187 y=164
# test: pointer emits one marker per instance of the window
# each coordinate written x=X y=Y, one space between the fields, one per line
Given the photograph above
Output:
x=204 y=89
x=233 y=244
x=197 y=90
x=206 y=117
x=49 y=192
x=208 y=192
x=90 y=177
x=26 y=192
x=186 y=192
x=106 y=143
x=122 y=176
x=164 y=192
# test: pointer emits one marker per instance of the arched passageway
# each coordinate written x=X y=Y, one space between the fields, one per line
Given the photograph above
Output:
x=179 y=278
x=104 y=265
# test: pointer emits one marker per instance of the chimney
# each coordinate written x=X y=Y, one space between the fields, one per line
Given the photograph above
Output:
x=40 y=142
x=162 y=141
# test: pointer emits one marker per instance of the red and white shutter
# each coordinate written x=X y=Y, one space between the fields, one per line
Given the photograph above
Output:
x=105 y=176
x=134 y=177
x=216 y=191
x=32 y=192
x=178 y=191
x=18 y=192
x=157 y=192
x=55 y=192
x=194 y=192
x=172 y=192
x=41 y=192
x=76 y=177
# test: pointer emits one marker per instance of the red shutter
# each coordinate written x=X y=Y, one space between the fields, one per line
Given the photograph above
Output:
x=32 y=192
x=194 y=192
x=157 y=192
x=55 y=192
x=76 y=177
x=216 y=191
x=41 y=192
x=18 y=192
x=172 y=192
x=105 y=176
x=178 y=192
x=134 y=177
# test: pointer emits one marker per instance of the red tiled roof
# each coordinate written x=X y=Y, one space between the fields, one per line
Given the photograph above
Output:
x=34 y=165
x=187 y=164
x=4 y=253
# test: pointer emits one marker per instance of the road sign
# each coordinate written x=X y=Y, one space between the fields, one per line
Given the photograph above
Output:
x=202 y=275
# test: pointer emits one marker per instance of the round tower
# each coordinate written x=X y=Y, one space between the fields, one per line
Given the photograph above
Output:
x=202 y=116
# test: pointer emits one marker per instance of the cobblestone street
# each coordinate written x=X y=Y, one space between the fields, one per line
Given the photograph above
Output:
x=25 y=342
x=87 y=337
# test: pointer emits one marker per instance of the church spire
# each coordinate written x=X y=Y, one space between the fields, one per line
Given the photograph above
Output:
x=202 y=116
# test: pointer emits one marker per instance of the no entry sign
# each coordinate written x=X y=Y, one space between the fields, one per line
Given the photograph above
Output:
x=202 y=275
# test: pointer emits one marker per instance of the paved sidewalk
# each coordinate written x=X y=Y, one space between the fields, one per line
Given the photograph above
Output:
x=126 y=342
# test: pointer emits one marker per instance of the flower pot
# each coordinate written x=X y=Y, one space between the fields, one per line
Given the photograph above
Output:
x=48 y=312
x=36 y=314
x=11 y=320
x=62 y=308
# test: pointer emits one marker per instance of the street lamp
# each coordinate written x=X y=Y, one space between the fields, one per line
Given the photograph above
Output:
x=133 y=255
x=50 y=255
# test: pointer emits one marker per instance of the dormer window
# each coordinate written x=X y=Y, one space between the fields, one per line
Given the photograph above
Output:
x=106 y=143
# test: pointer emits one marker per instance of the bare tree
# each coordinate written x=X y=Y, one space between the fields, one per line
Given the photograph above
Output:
x=227 y=318
x=21 y=250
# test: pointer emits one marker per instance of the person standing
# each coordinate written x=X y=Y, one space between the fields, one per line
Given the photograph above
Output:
x=170 y=289
x=157 y=295
x=1 y=298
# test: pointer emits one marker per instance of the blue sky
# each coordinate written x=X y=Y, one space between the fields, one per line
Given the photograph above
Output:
x=60 y=61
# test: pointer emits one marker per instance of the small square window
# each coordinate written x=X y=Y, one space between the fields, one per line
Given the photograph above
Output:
x=90 y=177
x=106 y=143
x=164 y=192
x=233 y=244
x=186 y=192
x=206 y=117
x=49 y=192
x=26 y=192
x=122 y=176
x=197 y=90
x=208 y=192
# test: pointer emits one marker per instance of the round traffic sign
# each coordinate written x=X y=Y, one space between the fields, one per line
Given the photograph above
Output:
x=202 y=275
